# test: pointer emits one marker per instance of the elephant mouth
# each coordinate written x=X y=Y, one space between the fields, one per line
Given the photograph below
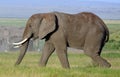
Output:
x=18 y=44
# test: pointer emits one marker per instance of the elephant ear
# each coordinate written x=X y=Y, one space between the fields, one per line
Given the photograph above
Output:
x=48 y=25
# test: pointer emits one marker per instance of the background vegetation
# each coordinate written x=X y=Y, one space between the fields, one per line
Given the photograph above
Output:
x=81 y=65
x=113 y=25
x=114 y=28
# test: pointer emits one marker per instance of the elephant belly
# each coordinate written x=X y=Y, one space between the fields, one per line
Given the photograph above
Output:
x=76 y=42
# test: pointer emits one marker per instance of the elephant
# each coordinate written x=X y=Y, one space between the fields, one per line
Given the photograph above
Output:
x=60 y=30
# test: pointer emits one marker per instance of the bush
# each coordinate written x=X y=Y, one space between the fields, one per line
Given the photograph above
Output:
x=114 y=42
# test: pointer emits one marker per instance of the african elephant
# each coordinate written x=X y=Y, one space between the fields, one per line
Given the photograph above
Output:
x=60 y=30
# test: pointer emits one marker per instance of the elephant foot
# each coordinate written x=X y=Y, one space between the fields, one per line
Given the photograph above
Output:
x=42 y=65
x=95 y=64
x=66 y=67
x=105 y=65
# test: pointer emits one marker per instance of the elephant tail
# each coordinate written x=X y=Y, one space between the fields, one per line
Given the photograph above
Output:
x=106 y=32
x=107 y=35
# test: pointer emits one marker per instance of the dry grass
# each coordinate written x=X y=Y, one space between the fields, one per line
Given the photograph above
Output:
x=112 y=21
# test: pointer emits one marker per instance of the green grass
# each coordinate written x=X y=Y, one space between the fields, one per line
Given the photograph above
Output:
x=113 y=25
x=80 y=66
x=114 y=41
x=12 y=22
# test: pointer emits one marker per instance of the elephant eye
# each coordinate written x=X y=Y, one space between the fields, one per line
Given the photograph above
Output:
x=30 y=26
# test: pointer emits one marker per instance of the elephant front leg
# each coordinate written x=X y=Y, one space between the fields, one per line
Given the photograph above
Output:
x=62 y=55
x=47 y=51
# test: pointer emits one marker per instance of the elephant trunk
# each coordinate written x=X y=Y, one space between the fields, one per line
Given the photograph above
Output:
x=24 y=44
x=23 y=50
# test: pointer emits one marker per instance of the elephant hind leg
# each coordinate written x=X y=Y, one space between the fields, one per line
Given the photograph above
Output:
x=101 y=62
x=97 y=59
x=93 y=50
x=93 y=47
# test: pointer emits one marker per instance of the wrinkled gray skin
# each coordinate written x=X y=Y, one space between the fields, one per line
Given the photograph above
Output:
x=60 y=30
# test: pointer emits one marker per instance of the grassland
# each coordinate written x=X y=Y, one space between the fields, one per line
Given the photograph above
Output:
x=12 y=22
x=114 y=41
x=81 y=65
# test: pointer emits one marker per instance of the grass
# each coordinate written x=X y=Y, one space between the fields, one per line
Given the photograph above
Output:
x=80 y=66
x=12 y=22
x=114 y=41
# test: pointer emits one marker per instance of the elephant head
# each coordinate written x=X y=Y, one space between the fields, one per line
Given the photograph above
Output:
x=37 y=26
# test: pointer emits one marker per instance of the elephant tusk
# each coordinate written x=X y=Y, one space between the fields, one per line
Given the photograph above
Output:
x=17 y=46
x=19 y=43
